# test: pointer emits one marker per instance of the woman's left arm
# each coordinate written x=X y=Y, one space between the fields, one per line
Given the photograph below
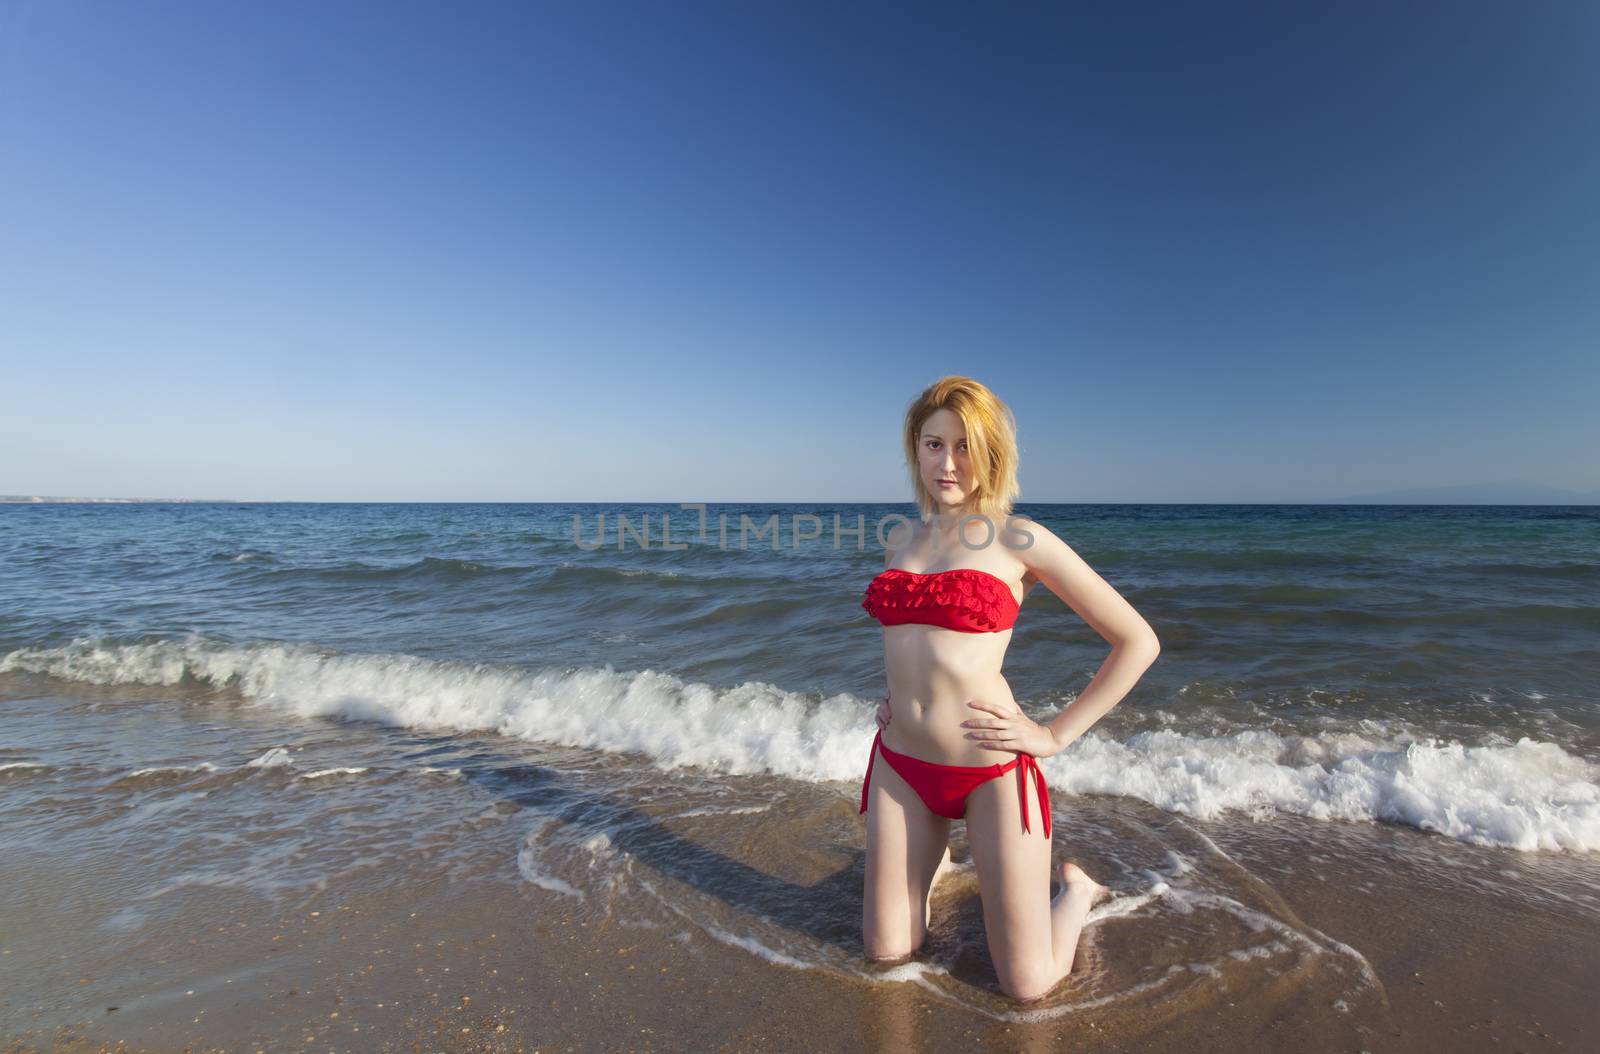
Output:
x=1134 y=645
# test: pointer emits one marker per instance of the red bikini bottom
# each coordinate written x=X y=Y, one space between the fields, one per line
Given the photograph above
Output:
x=944 y=788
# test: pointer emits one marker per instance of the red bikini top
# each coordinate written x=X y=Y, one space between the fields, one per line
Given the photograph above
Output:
x=962 y=599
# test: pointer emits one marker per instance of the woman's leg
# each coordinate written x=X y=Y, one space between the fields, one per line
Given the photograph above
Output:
x=1032 y=939
x=907 y=847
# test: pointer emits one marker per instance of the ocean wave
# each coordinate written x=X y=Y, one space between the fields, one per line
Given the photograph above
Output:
x=1524 y=795
x=433 y=567
x=1503 y=616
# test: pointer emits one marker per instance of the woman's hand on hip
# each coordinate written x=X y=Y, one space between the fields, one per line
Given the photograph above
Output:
x=1009 y=730
x=884 y=714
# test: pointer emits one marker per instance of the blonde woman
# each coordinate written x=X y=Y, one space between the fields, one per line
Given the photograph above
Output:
x=948 y=598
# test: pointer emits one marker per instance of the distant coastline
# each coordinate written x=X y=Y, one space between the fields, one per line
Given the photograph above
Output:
x=1506 y=493
x=1466 y=494
x=41 y=499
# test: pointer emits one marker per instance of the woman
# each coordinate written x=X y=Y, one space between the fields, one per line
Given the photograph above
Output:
x=948 y=598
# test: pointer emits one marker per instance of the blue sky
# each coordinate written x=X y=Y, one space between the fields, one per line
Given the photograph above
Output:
x=697 y=251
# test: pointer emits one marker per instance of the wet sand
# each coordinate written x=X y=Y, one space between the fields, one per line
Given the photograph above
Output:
x=486 y=964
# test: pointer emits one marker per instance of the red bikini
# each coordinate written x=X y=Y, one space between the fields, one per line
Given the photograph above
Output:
x=969 y=601
x=961 y=599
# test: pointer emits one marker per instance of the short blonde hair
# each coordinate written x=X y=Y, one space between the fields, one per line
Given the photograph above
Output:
x=991 y=444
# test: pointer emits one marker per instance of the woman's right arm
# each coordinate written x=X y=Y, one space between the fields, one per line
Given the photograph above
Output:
x=900 y=534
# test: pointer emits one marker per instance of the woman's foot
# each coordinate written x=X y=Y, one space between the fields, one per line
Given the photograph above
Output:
x=1076 y=881
x=1069 y=910
x=939 y=872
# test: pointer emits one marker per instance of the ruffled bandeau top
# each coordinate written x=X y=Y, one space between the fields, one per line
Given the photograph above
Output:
x=961 y=598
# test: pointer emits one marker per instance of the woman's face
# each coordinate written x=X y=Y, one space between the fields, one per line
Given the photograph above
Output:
x=942 y=456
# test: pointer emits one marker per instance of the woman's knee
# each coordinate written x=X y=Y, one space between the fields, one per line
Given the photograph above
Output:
x=882 y=947
x=890 y=929
x=1026 y=986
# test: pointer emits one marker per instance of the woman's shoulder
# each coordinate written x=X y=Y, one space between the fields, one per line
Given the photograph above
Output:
x=1022 y=535
x=1020 y=532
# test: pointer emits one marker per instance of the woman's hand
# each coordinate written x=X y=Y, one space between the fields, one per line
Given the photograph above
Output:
x=884 y=714
x=1010 y=730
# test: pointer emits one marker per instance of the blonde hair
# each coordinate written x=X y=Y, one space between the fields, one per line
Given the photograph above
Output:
x=991 y=444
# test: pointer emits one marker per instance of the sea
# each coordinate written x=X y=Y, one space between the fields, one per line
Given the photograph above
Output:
x=660 y=714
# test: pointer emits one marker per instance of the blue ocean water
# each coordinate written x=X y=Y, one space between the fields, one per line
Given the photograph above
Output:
x=1431 y=666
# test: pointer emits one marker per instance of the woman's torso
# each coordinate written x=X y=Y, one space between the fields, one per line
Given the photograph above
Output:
x=933 y=671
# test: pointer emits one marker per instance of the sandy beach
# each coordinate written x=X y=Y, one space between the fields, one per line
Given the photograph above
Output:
x=486 y=964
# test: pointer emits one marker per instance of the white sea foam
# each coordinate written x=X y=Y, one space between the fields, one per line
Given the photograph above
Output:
x=755 y=947
x=528 y=867
x=1525 y=795
x=277 y=757
x=202 y=766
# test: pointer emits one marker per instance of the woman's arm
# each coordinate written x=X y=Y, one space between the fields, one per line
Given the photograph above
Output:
x=1134 y=645
x=899 y=535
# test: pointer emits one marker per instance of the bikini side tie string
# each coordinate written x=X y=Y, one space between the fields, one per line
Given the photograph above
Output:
x=1031 y=764
x=872 y=756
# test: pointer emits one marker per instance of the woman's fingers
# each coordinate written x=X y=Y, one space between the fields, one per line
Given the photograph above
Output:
x=989 y=728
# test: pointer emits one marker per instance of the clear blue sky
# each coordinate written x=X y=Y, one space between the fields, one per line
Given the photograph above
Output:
x=697 y=251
